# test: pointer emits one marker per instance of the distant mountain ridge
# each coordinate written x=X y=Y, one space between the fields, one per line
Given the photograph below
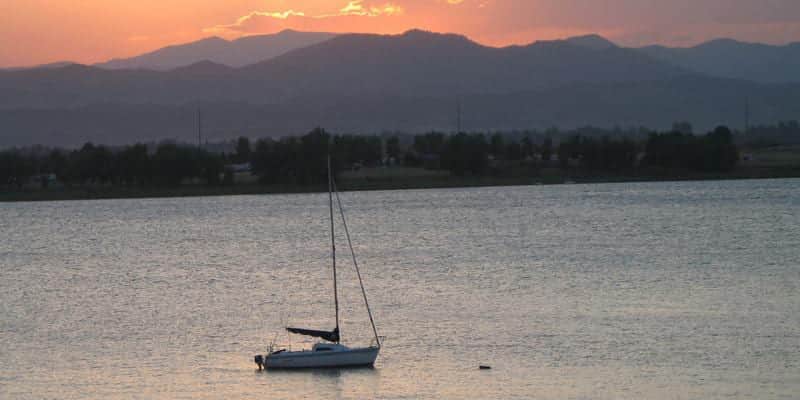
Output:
x=416 y=63
x=424 y=63
x=727 y=58
x=723 y=58
x=594 y=42
x=370 y=83
x=234 y=53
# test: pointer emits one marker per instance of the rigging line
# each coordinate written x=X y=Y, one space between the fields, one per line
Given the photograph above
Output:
x=333 y=247
x=355 y=264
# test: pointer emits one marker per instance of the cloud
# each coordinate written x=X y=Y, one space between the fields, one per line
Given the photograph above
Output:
x=357 y=8
x=503 y=22
x=266 y=21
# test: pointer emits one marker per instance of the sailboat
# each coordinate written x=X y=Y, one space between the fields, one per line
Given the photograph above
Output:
x=329 y=352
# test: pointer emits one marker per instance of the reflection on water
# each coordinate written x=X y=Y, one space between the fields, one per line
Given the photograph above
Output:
x=363 y=383
x=643 y=290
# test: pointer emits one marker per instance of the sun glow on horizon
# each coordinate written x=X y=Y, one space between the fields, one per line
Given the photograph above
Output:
x=88 y=31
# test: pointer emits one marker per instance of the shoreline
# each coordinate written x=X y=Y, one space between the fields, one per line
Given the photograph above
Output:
x=365 y=184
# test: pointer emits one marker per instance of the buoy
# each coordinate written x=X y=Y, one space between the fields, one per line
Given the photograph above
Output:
x=484 y=367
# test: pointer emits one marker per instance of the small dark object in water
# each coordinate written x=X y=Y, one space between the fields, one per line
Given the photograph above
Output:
x=259 y=361
x=484 y=367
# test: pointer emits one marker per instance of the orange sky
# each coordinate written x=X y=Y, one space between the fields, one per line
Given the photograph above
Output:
x=87 y=31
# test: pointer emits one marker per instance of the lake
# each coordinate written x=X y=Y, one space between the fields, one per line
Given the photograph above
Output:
x=670 y=290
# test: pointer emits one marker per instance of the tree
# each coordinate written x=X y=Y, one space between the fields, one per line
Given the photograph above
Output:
x=15 y=169
x=713 y=152
x=527 y=147
x=722 y=153
x=173 y=163
x=243 y=150
x=212 y=168
x=92 y=164
x=263 y=160
x=431 y=143
x=56 y=163
x=497 y=147
x=134 y=165
x=547 y=149
x=466 y=154
x=573 y=147
x=313 y=166
x=393 y=147
x=513 y=152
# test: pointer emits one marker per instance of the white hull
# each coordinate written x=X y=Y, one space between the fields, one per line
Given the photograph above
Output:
x=358 y=357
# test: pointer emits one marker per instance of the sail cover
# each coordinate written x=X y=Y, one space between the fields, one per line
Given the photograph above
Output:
x=331 y=336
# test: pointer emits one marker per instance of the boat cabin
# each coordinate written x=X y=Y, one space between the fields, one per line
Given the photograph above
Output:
x=328 y=347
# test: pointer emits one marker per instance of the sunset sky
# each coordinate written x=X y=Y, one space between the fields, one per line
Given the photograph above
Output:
x=87 y=31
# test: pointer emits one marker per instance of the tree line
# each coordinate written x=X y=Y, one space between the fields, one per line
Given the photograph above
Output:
x=302 y=160
x=169 y=164
x=782 y=133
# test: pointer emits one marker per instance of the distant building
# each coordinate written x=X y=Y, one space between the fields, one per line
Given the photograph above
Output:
x=41 y=181
x=237 y=168
x=430 y=161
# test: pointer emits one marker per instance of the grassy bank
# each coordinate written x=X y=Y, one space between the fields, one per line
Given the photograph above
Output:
x=380 y=180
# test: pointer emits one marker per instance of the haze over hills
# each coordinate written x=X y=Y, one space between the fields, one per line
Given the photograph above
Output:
x=235 y=53
x=420 y=63
x=728 y=58
x=371 y=83
x=412 y=64
x=58 y=64
x=723 y=58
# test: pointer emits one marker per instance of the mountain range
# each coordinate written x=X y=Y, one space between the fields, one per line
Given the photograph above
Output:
x=234 y=53
x=725 y=58
x=728 y=58
x=369 y=83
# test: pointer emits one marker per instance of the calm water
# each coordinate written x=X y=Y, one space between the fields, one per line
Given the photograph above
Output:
x=618 y=291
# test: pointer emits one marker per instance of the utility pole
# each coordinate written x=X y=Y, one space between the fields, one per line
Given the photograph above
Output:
x=746 y=115
x=199 y=129
x=458 y=116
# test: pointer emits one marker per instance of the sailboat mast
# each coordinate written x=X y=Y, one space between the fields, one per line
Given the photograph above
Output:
x=355 y=264
x=333 y=243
